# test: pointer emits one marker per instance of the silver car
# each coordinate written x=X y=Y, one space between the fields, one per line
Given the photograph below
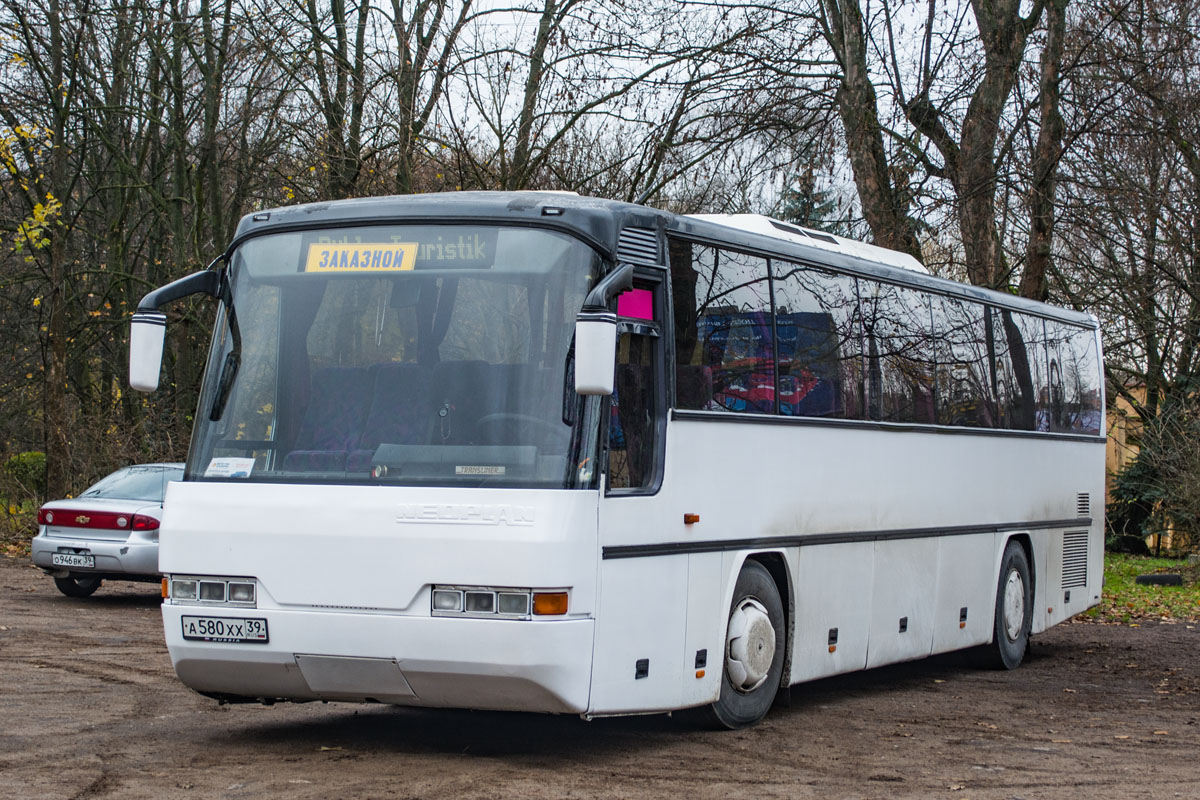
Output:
x=109 y=531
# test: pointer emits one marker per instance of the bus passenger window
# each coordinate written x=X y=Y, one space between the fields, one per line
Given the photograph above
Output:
x=964 y=387
x=899 y=353
x=724 y=345
x=632 y=414
x=820 y=342
x=1074 y=405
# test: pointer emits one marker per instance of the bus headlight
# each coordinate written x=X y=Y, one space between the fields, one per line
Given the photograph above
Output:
x=212 y=591
x=447 y=600
x=487 y=602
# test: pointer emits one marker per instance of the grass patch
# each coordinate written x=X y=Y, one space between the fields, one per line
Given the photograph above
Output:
x=1124 y=602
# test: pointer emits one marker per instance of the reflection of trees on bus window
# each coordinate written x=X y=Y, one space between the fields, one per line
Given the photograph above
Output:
x=1014 y=368
x=896 y=324
x=728 y=363
x=819 y=340
x=1075 y=403
x=963 y=380
x=851 y=347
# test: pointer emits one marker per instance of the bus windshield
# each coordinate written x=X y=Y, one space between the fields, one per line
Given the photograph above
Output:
x=418 y=355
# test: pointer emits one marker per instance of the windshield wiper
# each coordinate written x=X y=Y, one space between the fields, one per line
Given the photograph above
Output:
x=233 y=359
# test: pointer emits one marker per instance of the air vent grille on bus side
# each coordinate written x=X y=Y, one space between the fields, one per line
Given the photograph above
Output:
x=638 y=246
x=1074 y=559
x=1083 y=504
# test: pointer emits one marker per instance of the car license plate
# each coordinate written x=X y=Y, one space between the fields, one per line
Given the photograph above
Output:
x=225 y=629
x=73 y=560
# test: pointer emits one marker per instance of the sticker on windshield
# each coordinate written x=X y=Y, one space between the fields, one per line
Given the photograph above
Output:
x=229 y=468
x=358 y=257
x=481 y=470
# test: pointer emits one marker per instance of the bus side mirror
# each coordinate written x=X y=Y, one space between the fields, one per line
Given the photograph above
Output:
x=595 y=352
x=596 y=334
x=146 y=334
x=148 y=327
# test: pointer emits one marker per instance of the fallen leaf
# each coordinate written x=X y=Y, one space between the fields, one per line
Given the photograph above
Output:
x=323 y=747
x=1061 y=741
x=1160 y=733
x=1069 y=691
x=1121 y=736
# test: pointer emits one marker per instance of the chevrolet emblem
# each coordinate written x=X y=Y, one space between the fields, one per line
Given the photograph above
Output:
x=82 y=520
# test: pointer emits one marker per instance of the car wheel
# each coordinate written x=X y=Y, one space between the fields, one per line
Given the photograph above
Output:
x=77 y=585
x=755 y=641
x=1014 y=611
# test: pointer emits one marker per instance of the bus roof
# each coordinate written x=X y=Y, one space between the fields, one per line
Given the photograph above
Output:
x=759 y=223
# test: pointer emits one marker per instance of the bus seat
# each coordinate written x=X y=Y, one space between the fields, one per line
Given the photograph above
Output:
x=401 y=412
x=333 y=421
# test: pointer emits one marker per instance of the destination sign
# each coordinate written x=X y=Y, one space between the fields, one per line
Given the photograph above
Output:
x=361 y=257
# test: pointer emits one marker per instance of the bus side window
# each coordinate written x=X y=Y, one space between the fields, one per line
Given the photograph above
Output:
x=819 y=342
x=899 y=351
x=1074 y=397
x=964 y=385
x=633 y=414
x=724 y=348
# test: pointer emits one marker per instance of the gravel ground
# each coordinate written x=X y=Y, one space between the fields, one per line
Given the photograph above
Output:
x=90 y=708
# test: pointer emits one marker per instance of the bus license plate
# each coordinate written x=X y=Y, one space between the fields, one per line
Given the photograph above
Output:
x=73 y=560
x=225 y=629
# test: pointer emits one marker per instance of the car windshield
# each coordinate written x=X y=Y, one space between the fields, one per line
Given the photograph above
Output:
x=143 y=482
x=417 y=355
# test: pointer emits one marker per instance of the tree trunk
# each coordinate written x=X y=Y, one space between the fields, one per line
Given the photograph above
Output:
x=883 y=207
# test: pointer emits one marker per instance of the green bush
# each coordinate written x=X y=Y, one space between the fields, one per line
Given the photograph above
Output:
x=25 y=473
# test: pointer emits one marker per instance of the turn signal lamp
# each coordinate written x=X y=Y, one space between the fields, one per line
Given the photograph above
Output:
x=549 y=603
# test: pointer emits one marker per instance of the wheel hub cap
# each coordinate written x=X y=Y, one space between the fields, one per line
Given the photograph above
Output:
x=750 y=646
x=1014 y=605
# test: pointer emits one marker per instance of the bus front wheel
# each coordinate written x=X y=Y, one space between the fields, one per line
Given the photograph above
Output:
x=755 y=641
x=1014 y=611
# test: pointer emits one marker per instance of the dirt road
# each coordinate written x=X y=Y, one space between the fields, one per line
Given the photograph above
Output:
x=90 y=708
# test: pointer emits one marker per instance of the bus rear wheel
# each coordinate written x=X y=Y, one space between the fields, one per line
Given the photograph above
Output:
x=1014 y=611
x=755 y=641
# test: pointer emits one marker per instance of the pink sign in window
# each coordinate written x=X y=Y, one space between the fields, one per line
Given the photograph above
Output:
x=636 y=304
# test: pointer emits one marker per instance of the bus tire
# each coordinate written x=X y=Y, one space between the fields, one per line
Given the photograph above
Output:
x=752 y=658
x=77 y=585
x=1014 y=611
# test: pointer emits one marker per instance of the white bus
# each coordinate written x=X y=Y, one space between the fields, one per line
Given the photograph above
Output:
x=539 y=452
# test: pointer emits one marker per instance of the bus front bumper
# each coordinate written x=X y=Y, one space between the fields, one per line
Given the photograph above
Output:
x=513 y=665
